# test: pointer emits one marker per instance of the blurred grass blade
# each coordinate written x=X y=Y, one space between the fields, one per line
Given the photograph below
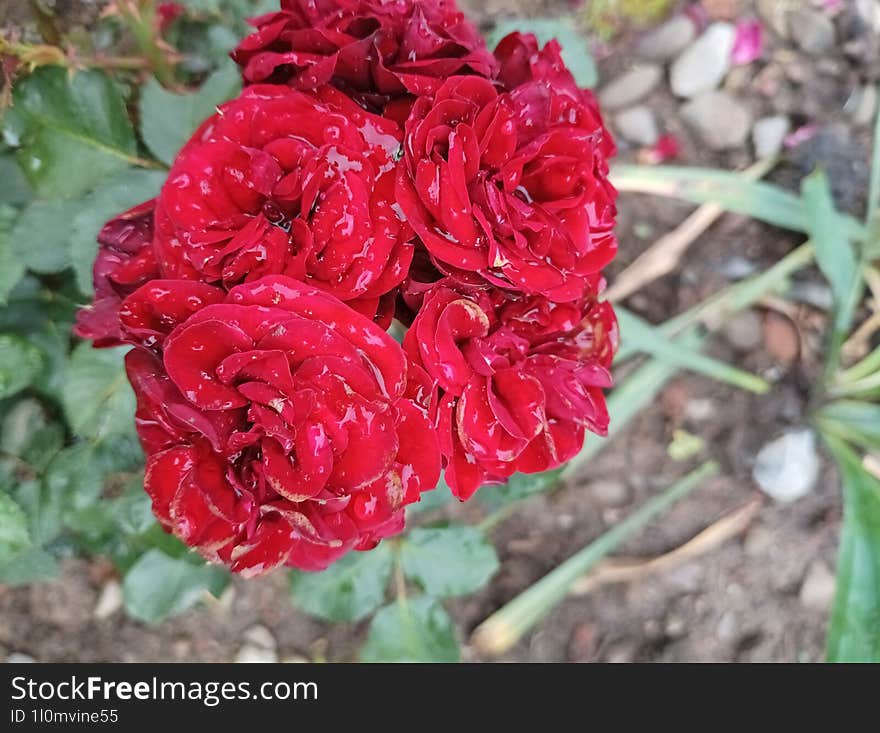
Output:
x=854 y=421
x=649 y=340
x=854 y=632
x=737 y=297
x=874 y=185
x=865 y=368
x=505 y=627
x=732 y=191
x=834 y=254
x=629 y=398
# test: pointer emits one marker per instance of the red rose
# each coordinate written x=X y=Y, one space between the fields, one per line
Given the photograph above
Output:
x=373 y=49
x=124 y=262
x=283 y=182
x=512 y=185
x=520 y=378
x=167 y=13
x=281 y=427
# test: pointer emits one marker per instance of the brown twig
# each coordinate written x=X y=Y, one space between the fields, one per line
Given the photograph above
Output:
x=622 y=570
x=664 y=255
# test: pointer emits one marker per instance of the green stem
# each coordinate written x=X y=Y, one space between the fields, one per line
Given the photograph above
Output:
x=45 y=23
x=505 y=627
x=141 y=20
x=399 y=578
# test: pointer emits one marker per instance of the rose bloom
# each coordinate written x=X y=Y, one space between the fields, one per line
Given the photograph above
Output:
x=520 y=378
x=284 y=182
x=375 y=50
x=281 y=427
x=124 y=262
x=512 y=185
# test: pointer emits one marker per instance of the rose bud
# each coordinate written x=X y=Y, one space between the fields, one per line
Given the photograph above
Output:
x=124 y=262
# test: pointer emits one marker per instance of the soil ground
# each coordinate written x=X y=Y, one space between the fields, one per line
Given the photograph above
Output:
x=744 y=601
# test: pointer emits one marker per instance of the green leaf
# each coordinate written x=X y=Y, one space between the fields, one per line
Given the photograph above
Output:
x=30 y=435
x=41 y=235
x=854 y=632
x=98 y=400
x=834 y=252
x=43 y=317
x=519 y=486
x=20 y=363
x=72 y=131
x=28 y=566
x=11 y=266
x=348 y=590
x=14 y=536
x=158 y=586
x=125 y=516
x=411 y=630
x=16 y=189
x=448 y=561
x=644 y=337
x=575 y=49
x=126 y=190
x=168 y=119
x=74 y=478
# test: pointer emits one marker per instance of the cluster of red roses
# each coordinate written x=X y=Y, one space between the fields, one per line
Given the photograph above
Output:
x=380 y=163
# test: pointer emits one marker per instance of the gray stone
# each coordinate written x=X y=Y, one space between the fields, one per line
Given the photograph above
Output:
x=768 y=135
x=744 y=331
x=774 y=13
x=788 y=468
x=609 y=492
x=637 y=125
x=736 y=268
x=630 y=87
x=721 y=121
x=869 y=13
x=700 y=409
x=812 y=31
x=667 y=40
x=260 y=636
x=109 y=602
x=253 y=654
x=622 y=652
x=295 y=659
x=727 y=626
x=817 y=590
x=19 y=658
x=862 y=105
x=816 y=294
x=704 y=63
